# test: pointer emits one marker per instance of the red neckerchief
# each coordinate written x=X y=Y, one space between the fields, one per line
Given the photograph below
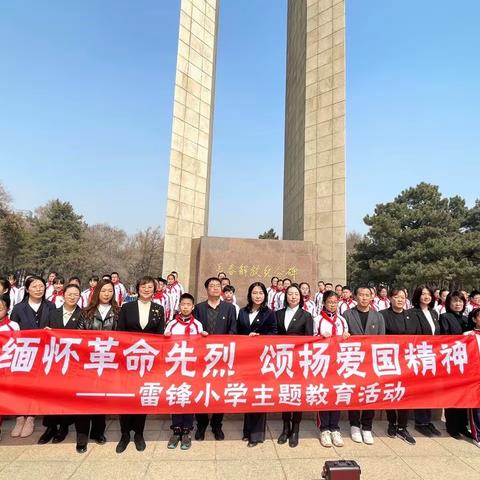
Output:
x=55 y=295
x=189 y=324
x=474 y=305
x=476 y=331
x=158 y=295
x=330 y=319
x=5 y=321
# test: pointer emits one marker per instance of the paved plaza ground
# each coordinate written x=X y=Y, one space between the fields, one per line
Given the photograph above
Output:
x=389 y=459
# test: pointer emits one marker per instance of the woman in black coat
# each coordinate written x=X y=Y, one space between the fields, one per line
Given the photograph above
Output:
x=426 y=321
x=142 y=316
x=454 y=322
x=31 y=313
x=293 y=320
x=256 y=319
x=101 y=314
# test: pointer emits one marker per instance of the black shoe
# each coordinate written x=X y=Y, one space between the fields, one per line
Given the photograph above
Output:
x=139 y=441
x=218 y=433
x=200 y=434
x=60 y=436
x=424 y=430
x=455 y=435
x=293 y=440
x=466 y=433
x=391 y=430
x=174 y=439
x=245 y=438
x=404 y=434
x=101 y=440
x=81 y=447
x=122 y=444
x=186 y=441
x=252 y=444
x=434 y=430
x=285 y=433
x=49 y=433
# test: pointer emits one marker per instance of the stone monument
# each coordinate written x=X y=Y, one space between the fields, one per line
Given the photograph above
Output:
x=314 y=176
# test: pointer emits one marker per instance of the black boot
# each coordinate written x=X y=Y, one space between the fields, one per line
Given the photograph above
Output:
x=123 y=443
x=285 y=433
x=293 y=440
x=49 y=433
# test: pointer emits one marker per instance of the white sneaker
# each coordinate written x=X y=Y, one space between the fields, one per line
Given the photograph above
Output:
x=17 y=429
x=476 y=443
x=28 y=427
x=326 y=439
x=367 y=437
x=337 y=439
x=356 y=434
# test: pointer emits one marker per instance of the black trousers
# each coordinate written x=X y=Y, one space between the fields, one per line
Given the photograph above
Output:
x=361 y=418
x=328 y=421
x=132 y=422
x=456 y=420
x=294 y=417
x=423 y=416
x=254 y=426
x=89 y=425
x=398 y=417
x=58 y=421
x=215 y=420
x=183 y=421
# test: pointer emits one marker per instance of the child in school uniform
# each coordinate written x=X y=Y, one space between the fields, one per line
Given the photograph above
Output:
x=330 y=323
x=474 y=413
x=183 y=323
x=6 y=325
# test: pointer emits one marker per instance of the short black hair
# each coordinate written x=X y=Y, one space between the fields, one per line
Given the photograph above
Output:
x=161 y=280
x=186 y=296
x=327 y=295
x=144 y=280
x=338 y=285
x=451 y=296
x=272 y=279
x=473 y=293
x=212 y=279
x=5 y=284
x=72 y=285
x=346 y=287
x=418 y=293
x=107 y=276
x=229 y=288
x=94 y=278
x=361 y=287
x=74 y=278
x=59 y=280
x=114 y=273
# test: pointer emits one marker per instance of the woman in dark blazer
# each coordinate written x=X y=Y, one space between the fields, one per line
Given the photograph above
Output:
x=426 y=321
x=253 y=320
x=31 y=313
x=143 y=316
x=454 y=322
x=101 y=314
x=65 y=317
x=292 y=320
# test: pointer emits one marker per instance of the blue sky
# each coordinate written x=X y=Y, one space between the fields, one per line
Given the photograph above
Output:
x=86 y=91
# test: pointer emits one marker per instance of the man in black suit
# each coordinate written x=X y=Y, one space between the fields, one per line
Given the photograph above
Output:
x=217 y=318
x=362 y=320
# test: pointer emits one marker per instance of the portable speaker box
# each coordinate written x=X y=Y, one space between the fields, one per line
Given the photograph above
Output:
x=341 y=470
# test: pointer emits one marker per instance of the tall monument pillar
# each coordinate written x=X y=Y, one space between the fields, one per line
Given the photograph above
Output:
x=314 y=179
x=191 y=148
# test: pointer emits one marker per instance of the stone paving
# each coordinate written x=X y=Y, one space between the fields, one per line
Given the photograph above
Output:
x=389 y=459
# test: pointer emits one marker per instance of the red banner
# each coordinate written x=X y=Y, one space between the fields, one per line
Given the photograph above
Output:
x=71 y=371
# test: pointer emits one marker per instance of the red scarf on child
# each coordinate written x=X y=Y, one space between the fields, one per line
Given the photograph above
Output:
x=5 y=321
x=330 y=319
x=190 y=327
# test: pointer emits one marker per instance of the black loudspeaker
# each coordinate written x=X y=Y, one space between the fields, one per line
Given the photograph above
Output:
x=341 y=470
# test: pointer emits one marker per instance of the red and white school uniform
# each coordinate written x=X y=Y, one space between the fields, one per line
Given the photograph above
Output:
x=329 y=324
x=85 y=297
x=344 y=305
x=175 y=291
x=49 y=289
x=319 y=300
x=309 y=306
x=6 y=325
x=120 y=293
x=470 y=307
x=440 y=308
x=58 y=299
x=382 y=303
x=163 y=299
x=181 y=326
x=271 y=297
x=279 y=300
x=13 y=298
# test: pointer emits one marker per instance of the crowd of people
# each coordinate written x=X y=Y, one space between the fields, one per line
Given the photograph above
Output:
x=161 y=306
